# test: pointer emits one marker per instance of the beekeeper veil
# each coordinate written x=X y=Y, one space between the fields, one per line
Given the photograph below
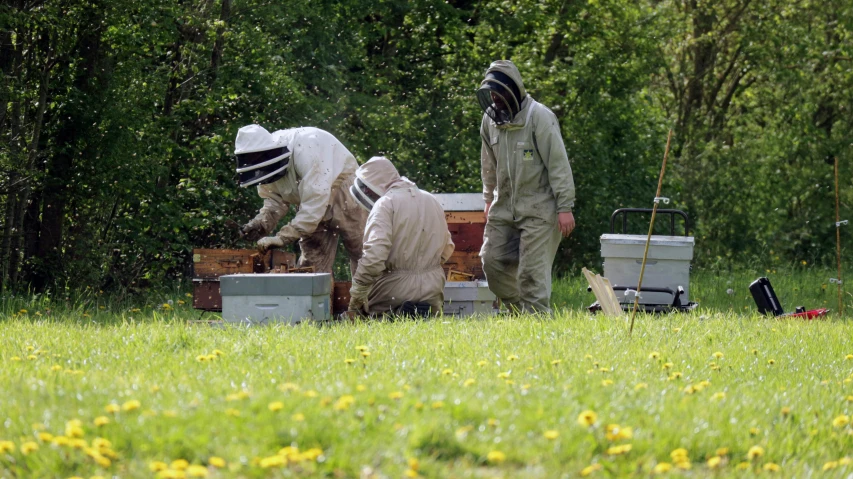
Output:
x=372 y=180
x=501 y=93
x=261 y=159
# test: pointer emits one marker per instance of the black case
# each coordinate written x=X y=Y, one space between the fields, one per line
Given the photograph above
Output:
x=765 y=298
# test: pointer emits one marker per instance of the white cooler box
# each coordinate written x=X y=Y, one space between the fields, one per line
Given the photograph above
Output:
x=466 y=298
x=265 y=298
x=667 y=265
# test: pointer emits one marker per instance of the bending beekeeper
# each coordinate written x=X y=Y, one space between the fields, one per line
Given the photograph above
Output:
x=528 y=188
x=405 y=243
x=311 y=169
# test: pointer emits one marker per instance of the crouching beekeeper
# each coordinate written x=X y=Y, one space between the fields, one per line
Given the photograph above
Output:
x=311 y=169
x=405 y=243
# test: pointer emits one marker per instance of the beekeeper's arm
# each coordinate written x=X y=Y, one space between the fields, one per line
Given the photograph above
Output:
x=488 y=165
x=377 y=247
x=272 y=212
x=448 y=248
x=549 y=142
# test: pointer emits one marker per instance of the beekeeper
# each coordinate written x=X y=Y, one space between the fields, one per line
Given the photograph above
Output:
x=308 y=168
x=405 y=243
x=528 y=188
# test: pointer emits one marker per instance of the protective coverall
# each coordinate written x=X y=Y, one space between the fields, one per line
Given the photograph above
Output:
x=320 y=171
x=405 y=242
x=528 y=181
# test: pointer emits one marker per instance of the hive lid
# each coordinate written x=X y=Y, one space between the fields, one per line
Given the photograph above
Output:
x=656 y=240
x=285 y=284
x=461 y=201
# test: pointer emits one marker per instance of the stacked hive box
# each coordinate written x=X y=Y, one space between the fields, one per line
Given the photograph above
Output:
x=210 y=264
x=466 y=291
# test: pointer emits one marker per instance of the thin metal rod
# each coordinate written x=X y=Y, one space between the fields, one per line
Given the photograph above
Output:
x=838 y=240
x=649 y=237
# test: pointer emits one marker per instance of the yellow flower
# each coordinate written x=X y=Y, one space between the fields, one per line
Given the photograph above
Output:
x=447 y=372
x=551 y=434
x=216 y=461
x=181 y=301
x=844 y=461
x=496 y=457
x=397 y=395
x=361 y=348
x=742 y=466
x=349 y=361
x=850 y=398
x=718 y=396
x=755 y=452
x=587 y=418
x=365 y=354
x=718 y=355
x=654 y=355
x=849 y=357
x=28 y=447
x=723 y=451
x=469 y=382
x=675 y=330
x=343 y=403
x=180 y=464
x=197 y=471
x=606 y=382
x=15 y=358
x=482 y=363
x=32 y=357
x=678 y=454
x=218 y=352
x=830 y=465
x=841 y=421
x=503 y=375
x=785 y=411
x=771 y=362
x=101 y=421
x=492 y=422
x=45 y=436
x=131 y=405
x=614 y=432
x=640 y=386
x=556 y=362
x=512 y=357
x=684 y=465
x=312 y=454
x=590 y=469
x=232 y=412
x=438 y=404
x=667 y=366
x=618 y=450
x=662 y=468
x=273 y=461
x=201 y=358
x=56 y=367
x=276 y=406
x=771 y=467
x=714 y=462
x=754 y=431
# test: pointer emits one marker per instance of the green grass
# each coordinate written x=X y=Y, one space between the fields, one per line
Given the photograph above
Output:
x=446 y=393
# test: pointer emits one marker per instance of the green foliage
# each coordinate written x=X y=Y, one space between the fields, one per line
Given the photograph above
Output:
x=126 y=166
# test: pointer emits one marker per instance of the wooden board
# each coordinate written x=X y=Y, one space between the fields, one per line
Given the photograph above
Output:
x=467 y=217
x=213 y=263
x=465 y=262
x=603 y=292
x=468 y=238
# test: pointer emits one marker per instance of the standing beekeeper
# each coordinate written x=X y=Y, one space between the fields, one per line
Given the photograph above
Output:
x=405 y=243
x=311 y=169
x=528 y=188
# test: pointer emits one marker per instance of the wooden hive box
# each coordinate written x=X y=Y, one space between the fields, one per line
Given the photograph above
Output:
x=210 y=264
x=466 y=222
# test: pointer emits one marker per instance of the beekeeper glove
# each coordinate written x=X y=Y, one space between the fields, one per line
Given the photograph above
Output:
x=252 y=231
x=358 y=297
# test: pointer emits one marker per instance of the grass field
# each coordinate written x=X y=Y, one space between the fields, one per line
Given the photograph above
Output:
x=97 y=387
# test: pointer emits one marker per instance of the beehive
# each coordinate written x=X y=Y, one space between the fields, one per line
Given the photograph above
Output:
x=257 y=299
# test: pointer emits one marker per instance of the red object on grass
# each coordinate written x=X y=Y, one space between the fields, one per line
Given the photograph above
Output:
x=809 y=315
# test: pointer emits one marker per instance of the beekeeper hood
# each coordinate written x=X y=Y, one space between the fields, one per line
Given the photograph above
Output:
x=501 y=94
x=261 y=158
x=372 y=180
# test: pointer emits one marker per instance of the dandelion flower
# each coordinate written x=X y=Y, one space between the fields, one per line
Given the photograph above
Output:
x=606 y=382
x=216 y=461
x=640 y=386
x=29 y=447
x=742 y=466
x=45 y=436
x=482 y=363
x=588 y=470
x=841 y=421
x=446 y=372
x=754 y=431
x=849 y=357
x=618 y=450
x=349 y=360
x=830 y=465
x=551 y=434
x=180 y=464
x=112 y=408
x=131 y=405
x=722 y=451
x=771 y=467
x=197 y=471
x=714 y=462
x=556 y=362
x=587 y=418
x=718 y=396
x=396 y=395
x=678 y=454
x=469 y=382
x=667 y=366
x=615 y=432
x=755 y=452
x=771 y=362
x=785 y=411
x=718 y=355
x=850 y=398
x=232 y=412
x=662 y=468
x=654 y=355
x=273 y=461
x=276 y=406
x=496 y=457
x=504 y=375
x=343 y=403
x=512 y=357
x=438 y=404
x=844 y=461
x=365 y=354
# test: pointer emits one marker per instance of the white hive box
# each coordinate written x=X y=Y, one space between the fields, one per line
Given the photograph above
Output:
x=461 y=201
x=465 y=298
x=667 y=265
x=265 y=298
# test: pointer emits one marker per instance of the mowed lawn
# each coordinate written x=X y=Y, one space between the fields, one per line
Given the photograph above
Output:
x=134 y=391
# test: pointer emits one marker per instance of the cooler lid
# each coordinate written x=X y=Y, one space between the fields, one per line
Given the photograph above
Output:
x=461 y=201
x=656 y=240
x=275 y=284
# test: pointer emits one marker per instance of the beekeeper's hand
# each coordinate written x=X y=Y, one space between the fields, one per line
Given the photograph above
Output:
x=252 y=231
x=567 y=223
x=358 y=298
x=270 y=242
x=486 y=210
